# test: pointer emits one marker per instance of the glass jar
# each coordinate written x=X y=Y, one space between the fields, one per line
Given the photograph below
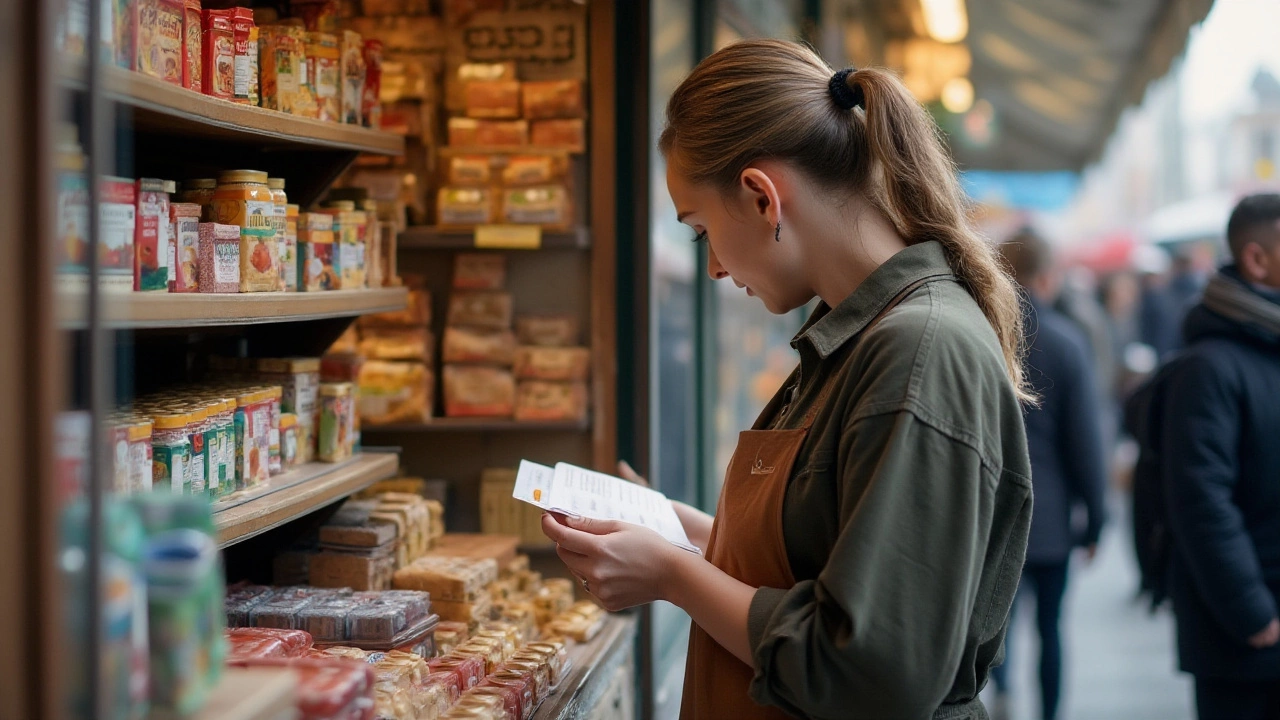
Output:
x=243 y=198
x=197 y=434
x=288 y=440
x=171 y=452
x=274 y=465
x=222 y=481
x=200 y=191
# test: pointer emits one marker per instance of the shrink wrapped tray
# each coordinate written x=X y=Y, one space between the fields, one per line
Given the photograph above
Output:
x=569 y=135
x=555 y=654
x=533 y=668
x=552 y=363
x=538 y=205
x=279 y=612
x=293 y=643
x=342 y=651
x=509 y=697
x=547 y=330
x=469 y=669
x=327 y=688
x=241 y=600
x=548 y=99
x=522 y=683
x=469 y=345
x=493 y=99
x=481 y=309
x=465 y=206
x=479 y=271
x=396 y=343
x=548 y=401
x=326 y=618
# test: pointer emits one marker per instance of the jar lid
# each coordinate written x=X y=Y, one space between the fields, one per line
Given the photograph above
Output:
x=256 y=177
x=170 y=186
x=337 y=389
x=275 y=183
x=288 y=420
x=152 y=185
x=198 y=414
x=171 y=421
x=200 y=184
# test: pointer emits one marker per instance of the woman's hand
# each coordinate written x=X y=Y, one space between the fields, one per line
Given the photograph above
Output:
x=624 y=565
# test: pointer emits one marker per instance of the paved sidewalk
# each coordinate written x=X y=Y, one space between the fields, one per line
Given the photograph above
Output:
x=1120 y=660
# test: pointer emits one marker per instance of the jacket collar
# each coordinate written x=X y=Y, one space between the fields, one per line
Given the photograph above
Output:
x=830 y=328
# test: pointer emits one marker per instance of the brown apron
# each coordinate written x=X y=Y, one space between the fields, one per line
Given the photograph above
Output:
x=747 y=543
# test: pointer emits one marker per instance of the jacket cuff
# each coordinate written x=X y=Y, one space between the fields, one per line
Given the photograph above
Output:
x=765 y=601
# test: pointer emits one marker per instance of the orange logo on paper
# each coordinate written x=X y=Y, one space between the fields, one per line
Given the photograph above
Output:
x=537 y=494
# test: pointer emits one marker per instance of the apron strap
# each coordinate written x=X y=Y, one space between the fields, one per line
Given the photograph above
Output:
x=827 y=388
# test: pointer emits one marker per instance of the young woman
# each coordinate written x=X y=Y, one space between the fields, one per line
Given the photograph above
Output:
x=872 y=525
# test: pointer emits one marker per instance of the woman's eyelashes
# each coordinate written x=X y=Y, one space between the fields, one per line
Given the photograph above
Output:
x=700 y=237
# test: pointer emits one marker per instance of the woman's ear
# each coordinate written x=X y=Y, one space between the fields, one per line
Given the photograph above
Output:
x=761 y=191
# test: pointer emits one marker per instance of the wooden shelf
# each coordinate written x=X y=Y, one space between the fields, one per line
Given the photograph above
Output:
x=428 y=237
x=296 y=493
x=248 y=694
x=182 y=310
x=164 y=108
x=480 y=425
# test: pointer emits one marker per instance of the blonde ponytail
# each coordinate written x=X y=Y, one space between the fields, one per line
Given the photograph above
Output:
x=773 y=99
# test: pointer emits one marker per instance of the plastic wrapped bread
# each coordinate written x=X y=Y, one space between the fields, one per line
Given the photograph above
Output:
x=493 y=99
x=552 y=363
x=479 y=271
x=482 y=309
x=473 y=345
x=548 y=401
x=547 y=330
x=395 y=392
x=478 y=392
x=396 y=343
x=448 y=578
x=549 y=99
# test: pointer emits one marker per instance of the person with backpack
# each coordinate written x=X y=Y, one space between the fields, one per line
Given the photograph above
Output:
x=1218 y=430
x=1068 y=462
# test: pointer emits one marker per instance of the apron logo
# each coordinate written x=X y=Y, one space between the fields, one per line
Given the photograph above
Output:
x=758 y=467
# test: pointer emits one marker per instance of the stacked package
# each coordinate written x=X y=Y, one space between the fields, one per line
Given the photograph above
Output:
x=501 y=514
x=396 y=381
x=479 y=348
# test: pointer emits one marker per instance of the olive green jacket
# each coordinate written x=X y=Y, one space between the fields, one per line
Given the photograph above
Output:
x=905 y=519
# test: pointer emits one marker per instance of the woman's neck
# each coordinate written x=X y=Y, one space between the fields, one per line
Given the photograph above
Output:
x=844 y=245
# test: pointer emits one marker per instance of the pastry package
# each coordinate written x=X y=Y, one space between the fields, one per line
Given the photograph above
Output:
x=481 y=707
x=523 y=684
x=395 y=392
x=555 y=654
x=568 y=135
x=470 y=132
x=326 y=618
x=470 y=170
x=448 y=578
x=396 y=343
x=481 y=309
x=469 y=669
x=533 y=169
x=550 y=401
x=492 y=99
x=327 y=688
x=535 y=669
x=464 y=206
x=538 y=205
x=241 y=599
x=547 y=330
x=268 y=642
x=278 y=612
x=478 y=392
x=450 y=635
x=509 y=697
x=347 y=569
x=534 y=362
x=351 y=528
x=487 y=649
x=479 y=271
x=549 y=99
x=469 y=345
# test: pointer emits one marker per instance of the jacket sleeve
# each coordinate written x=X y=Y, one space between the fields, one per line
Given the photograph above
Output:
x=1081 y=438
x=1200 y=442
x=880 y=632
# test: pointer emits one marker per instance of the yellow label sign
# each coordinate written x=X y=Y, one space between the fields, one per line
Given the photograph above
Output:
x=509 y=237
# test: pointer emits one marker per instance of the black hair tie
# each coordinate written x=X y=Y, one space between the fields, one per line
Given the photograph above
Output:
x=846 y=97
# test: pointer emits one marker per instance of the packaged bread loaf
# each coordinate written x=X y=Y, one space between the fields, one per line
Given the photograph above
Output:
x=542 y=400
x=569 y=135
x=396 y=343
x=550 y=99
x=448 y=578
x=540 y=205
x=481 y=309
x=547 y=330
x=493 y=99
x=473 y=345
x=395 y=392
x=534 y=362
x=479 y=271
x=470 y=132
x=466 y=170
x=465 y=206
x=351 y=570
x=532 y=170
x=478 y=392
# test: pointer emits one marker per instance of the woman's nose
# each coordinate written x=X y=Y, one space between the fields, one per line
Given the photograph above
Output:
x=714 y=269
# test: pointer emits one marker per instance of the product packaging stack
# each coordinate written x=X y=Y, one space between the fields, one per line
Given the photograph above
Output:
x=479 y=346
x=396 y=381
x=551 y=370
x=501 y=514
x=459 y=587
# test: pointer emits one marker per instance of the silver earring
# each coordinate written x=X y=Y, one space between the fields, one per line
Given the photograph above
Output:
x=777 y=232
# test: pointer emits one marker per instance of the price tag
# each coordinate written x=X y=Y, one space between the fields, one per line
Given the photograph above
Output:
x=509 y=237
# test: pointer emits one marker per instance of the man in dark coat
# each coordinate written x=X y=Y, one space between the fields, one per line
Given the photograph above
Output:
x=1220 y=469
x=1068 y=464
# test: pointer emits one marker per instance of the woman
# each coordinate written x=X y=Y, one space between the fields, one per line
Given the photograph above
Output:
x=872 y=525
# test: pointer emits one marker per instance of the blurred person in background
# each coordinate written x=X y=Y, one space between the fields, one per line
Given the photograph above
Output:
x=1068 y=464
x=1186 y=281
x=1077 y=300
x=1158 y=314
x=1220 y=471
x=1120 y=294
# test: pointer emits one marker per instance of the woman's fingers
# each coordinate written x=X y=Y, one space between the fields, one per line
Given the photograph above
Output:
x=566 y=537
x=629 y=474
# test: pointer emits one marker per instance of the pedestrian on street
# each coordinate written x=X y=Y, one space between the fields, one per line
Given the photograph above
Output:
x=1068 y=463
x=1221 y=476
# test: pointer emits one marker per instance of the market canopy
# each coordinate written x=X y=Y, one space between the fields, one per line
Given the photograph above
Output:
x=1031 y=84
